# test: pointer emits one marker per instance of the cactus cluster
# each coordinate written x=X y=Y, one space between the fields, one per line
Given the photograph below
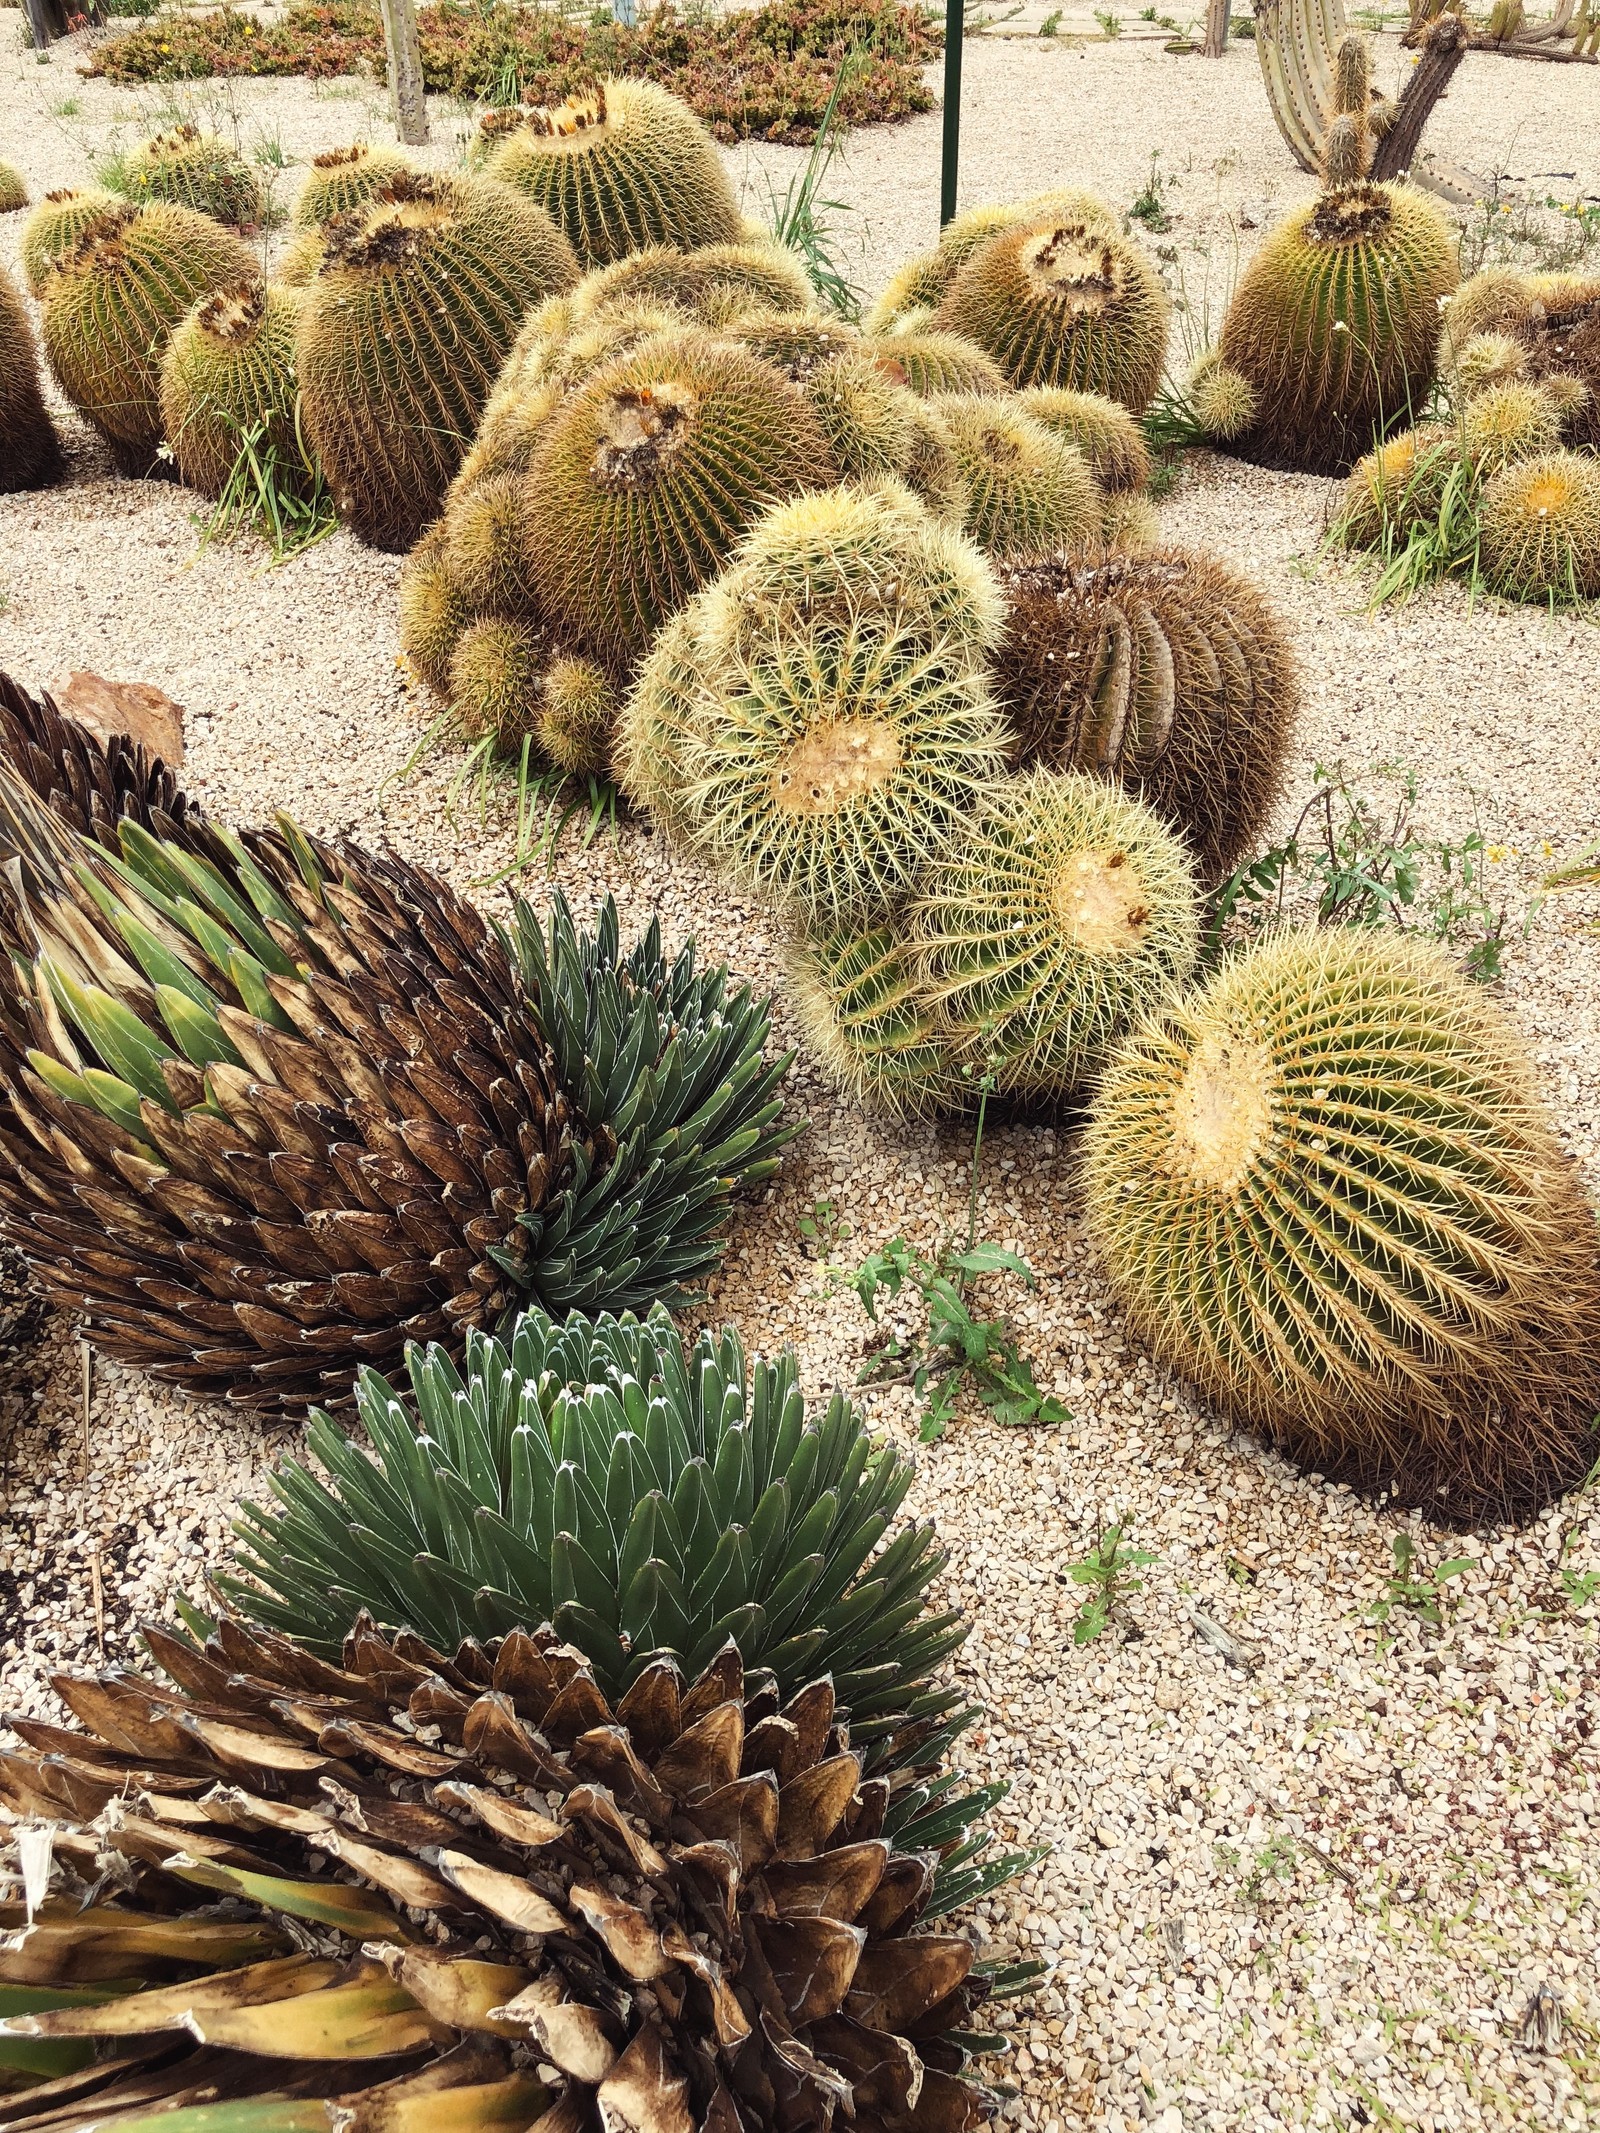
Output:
x=822 y=724
x=622 y=168
x=413 y=310
x=1167 y=672
x=112 y=303
x=193 y=169
x=1325 y=1192
x=30 y=450
x=1518 y=458
x=1330 y=338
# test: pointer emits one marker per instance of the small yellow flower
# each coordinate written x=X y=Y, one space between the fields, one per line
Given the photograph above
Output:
x=1494 y=853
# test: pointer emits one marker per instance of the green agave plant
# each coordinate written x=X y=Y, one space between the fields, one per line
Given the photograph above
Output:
x=644 y=1500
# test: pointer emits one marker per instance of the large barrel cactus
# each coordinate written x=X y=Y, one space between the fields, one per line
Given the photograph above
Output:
x=405 y=325
x=1326 y=1193
x=30 y=450
x=622 y=168
x=55 y=226
x=1335 y=323
x=344 y=178
x=228 y=382
x=112 y=304
x=1064 y=299
x=1168 y=672
x=647 y=477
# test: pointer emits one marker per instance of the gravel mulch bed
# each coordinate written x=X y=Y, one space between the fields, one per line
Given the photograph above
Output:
x=1295 y=1878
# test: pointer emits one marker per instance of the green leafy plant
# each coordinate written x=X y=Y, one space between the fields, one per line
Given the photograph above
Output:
x=822 y=1230
x=1367 y=866
x=644 y=1497
x=1418 y=1591
x=279 y=495
x=1150 y=205
x=1110 y=25
x=1108 y=1570
x=802 y=220
x=1051 y=23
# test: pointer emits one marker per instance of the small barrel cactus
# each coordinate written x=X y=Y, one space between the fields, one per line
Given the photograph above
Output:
x=1516 y=419
x=1552 y=324
x=648 y=475
x=1335 y=322
x=1029 y=491
x=1065 y=300
x=622 y=168
x=1103 y=430
x=1222 y=400
x=435 y=611
x=577 y=716
x=1398 y=485
x=1060 y=911
x=1325 y=1193
x=859 y=998
x=1166 y=671
x=13 y=189
x=798 y=343
x=228 y=379
x=1540 y=523
x=55 y=226
x=402 y=332
x=112 y=305
x=197 y=170
x=30 y=450
x=486 y=547
x=345 y=178
x=873 y=426
x=718 y=285
x=494 y=684
x=831 y=711
x=928 y=362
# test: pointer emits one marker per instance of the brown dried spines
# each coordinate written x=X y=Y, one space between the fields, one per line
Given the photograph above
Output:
x=1165 y=671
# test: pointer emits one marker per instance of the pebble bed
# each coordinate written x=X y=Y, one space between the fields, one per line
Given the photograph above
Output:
x=1302 y=1870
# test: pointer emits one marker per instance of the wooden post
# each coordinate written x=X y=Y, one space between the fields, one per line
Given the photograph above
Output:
x=955 y=23
x=1219 y=15
x=407 y=104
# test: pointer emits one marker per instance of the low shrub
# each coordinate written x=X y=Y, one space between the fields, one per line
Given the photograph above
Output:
x=764 y=73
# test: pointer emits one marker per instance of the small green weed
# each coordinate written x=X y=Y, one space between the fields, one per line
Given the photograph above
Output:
x=803 y=221
x=1108 y=1571
x=1368 y=867
x=1150 y=207
x=822 y=1231
x=959 y=1349
x=1050 y=24
x=1416 y=1590
x=1110 y=25
x=277 y=494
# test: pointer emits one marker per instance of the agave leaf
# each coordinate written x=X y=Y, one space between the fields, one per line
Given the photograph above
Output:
x=361 y=1913
x=576 y=1578
x=254 y=2114
x=197 y=1033
x=162 y=2007
x=368 y=2017
x=115 y=1032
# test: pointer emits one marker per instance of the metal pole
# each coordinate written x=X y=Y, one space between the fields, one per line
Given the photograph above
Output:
x=954 y=23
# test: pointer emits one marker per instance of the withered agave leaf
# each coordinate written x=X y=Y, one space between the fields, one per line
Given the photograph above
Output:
x=654 y=1949
x=271 y=1109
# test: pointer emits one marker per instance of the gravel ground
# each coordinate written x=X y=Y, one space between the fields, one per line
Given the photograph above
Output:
x=1295 y=1878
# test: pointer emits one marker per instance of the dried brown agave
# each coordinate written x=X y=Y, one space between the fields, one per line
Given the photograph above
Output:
x=423 y=1892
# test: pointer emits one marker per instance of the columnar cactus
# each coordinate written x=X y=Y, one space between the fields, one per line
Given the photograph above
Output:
x=402 y=332
x=622 y=168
